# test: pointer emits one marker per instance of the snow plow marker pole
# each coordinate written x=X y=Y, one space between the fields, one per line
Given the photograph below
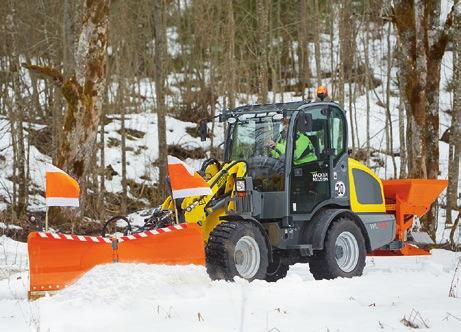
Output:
x=57 y=260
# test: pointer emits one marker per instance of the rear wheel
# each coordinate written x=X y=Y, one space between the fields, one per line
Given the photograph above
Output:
x=277 y=269
x=236 y=248
x=343 y=254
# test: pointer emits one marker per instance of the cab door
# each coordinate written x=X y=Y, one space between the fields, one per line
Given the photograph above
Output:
x=310 y=180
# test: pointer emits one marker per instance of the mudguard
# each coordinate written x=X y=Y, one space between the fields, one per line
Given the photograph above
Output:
x=316 y=229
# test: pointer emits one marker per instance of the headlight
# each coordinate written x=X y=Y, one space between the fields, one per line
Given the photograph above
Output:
x=240 y=185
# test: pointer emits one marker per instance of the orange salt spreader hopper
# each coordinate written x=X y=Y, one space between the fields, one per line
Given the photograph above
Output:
x=57 y=260
x=405 y=199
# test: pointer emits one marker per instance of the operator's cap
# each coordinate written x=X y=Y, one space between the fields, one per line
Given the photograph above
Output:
x=322 y=92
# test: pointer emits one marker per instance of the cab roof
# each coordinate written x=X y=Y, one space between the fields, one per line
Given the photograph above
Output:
x=265 y=108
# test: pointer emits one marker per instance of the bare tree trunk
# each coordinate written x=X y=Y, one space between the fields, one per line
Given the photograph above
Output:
x=102 y=161
x=455 y=134
x=351 y=118
x=304 y=54
x=68 y=37
x=388 y=99
x=212 y=96
x=273 y=55
x=17 y=116
x=121 y=103
x=345 y=62
x=83 y=93
x=35 y=94
x=317 y=32
x=408 y=22
x=367 y=78
x=263 y=27
x=356 y=124
x=403 y=150
x=57 y=121
x=231 y=78
x=160 y=70
x=56 y=107
x=332 y=54
x=423 y=44
x=273 y=59
x=14 y=194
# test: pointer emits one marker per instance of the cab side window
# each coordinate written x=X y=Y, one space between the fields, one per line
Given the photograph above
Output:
x=310 y=142
x=338 y=131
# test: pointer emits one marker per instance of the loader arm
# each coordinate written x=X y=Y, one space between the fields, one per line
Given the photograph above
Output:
x=207 y=210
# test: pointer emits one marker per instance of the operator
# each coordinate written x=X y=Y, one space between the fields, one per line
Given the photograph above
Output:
x=304 y=151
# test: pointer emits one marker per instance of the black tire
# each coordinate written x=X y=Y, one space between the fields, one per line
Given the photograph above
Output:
x=277 y=269
x=324 y=265
x=220 y=250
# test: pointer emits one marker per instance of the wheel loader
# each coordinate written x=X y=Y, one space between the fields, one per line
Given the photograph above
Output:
x=268 y=209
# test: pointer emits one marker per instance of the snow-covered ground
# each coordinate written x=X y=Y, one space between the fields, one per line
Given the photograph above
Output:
x=140 y=297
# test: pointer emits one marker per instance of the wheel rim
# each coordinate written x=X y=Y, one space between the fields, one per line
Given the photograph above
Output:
x=247 y=257
x=346 y=251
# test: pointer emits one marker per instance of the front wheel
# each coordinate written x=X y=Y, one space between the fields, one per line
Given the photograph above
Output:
x=343 y=254
x=236 y=248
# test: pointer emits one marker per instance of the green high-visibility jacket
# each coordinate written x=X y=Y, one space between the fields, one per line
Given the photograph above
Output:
x=304 y=149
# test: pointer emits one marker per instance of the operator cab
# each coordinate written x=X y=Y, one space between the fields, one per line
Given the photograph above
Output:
x=288 y=149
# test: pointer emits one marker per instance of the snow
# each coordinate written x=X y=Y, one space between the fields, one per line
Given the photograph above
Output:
x=5 y=226
x=142 y=297
x=13 y=257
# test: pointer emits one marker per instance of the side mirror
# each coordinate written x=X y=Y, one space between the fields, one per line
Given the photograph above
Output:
x=203 y=130
x=326 y=111
x=304 y=122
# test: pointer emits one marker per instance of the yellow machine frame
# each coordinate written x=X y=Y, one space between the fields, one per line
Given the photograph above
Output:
x=221 y=181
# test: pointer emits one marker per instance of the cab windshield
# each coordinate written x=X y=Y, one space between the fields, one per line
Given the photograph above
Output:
x=253 y=136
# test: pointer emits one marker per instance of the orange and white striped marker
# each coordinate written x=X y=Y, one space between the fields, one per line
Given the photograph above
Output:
x=185 y=181
x=61 y=189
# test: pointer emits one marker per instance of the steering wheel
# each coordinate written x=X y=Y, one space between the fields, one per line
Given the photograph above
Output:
x=271 y=165
x=127 y=229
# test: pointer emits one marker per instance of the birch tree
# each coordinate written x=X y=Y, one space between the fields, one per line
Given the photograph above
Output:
x=83 y=91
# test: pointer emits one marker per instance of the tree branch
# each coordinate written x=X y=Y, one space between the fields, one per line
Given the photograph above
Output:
x=46 y=72
x=438 y=49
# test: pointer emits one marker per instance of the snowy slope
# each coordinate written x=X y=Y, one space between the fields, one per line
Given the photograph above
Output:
x=140 y=297
x=143 y=151
x=13 y=257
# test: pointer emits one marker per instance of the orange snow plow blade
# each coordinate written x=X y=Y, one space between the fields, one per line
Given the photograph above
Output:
x=405 y=199
x=57 y=260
